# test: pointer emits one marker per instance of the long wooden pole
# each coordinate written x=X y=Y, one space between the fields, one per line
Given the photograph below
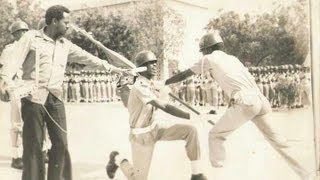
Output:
x=110 y=53
x=188 y=106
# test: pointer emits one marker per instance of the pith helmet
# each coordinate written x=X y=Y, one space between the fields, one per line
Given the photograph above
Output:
x=210 y=39
x=18 y=25
x=143 y=57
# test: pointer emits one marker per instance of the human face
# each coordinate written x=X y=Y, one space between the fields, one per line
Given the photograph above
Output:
x=62 y=25
x=151 y=69
x=205 y=51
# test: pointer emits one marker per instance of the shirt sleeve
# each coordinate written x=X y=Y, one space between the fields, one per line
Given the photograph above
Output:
x=78 y=55
x=6 y=54
x=18 y=55
x=201 y=66
x=143 y=93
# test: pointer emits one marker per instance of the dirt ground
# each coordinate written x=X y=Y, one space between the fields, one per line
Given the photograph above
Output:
x=94 y=130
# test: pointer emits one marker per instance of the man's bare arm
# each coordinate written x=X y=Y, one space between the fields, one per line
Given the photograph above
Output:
x=180 y=77
x=168 y=108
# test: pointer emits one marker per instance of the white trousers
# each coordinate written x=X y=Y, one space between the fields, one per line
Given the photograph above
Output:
x=16 y=123
x=16 y=128
x=258 y=110
x=143 y=147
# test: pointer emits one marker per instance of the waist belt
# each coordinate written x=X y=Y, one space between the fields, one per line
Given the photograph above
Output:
x=137 y=131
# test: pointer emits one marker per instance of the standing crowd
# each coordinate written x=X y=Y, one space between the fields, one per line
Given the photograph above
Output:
x=40 y=57
x=90 y=86
x=285 y=86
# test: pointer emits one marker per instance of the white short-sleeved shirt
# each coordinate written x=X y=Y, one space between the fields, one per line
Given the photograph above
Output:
x=7 y=52
x=140 y=112
x=7 y=57
x=227 y=70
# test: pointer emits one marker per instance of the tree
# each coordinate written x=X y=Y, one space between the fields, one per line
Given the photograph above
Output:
x=29 y=12
x=6 y=19
x=25 y=11
x=146 y=25
x=280 y=37
x=111 y=30
x=295 y=21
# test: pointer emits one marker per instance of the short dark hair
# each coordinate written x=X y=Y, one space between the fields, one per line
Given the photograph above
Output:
x=55 y=12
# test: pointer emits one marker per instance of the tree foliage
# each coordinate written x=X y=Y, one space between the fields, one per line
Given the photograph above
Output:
x=147 y=25
x=6 y=19
x=111 y=30
x=279 y=37
x=25 y=11
x=29 y=12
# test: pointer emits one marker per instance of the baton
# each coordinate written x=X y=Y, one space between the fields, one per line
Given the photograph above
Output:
x=188 y=106
x=112 y=55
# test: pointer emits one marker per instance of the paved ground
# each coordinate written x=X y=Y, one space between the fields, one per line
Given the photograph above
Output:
x=96 y=129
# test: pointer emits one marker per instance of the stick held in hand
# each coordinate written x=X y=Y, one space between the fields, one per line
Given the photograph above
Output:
x=188 y=106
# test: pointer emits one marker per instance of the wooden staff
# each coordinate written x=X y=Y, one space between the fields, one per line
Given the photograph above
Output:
x=188 y=106
x=110 y=53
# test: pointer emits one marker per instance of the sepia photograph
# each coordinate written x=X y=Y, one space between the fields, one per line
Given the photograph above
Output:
x=160 y=89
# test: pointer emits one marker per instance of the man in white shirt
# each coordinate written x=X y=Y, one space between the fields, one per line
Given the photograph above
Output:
x=17 y=29
x=43 y=55
x=246 y=101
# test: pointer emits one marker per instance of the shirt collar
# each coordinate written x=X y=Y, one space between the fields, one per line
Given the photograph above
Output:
x=44 y=36
x=143 y=80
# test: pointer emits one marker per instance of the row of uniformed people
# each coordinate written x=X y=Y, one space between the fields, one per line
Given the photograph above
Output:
x=200 y=90
x=90 y=86
x=286 y=85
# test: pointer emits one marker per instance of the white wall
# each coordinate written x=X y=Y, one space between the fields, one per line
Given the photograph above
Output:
x=196 y=18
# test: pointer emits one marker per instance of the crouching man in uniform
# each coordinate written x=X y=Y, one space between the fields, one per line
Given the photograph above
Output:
x=145 y=132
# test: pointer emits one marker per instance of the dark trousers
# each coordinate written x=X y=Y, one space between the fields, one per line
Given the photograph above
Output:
x=34 y=117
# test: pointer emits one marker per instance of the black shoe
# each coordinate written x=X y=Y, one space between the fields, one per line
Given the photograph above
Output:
x=198 y=177
x=212 y=111
x=45 y=157
x=111 y=166
x=17 y=163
